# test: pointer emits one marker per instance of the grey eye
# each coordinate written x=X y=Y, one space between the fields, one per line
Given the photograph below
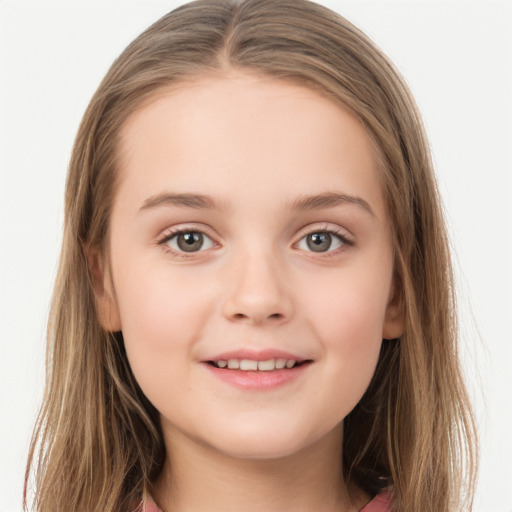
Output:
x=321 y=241
x=190 y=241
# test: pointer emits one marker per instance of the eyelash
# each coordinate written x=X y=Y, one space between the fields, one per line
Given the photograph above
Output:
x=344 y=239
x=169 y=235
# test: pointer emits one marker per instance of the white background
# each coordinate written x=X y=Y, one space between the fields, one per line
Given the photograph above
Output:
x=456 y=57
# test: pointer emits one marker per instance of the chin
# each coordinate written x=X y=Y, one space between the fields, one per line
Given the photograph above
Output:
x=263 y=443
x=264 y=450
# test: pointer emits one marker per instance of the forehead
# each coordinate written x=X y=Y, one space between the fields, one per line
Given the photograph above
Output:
x=247 y=134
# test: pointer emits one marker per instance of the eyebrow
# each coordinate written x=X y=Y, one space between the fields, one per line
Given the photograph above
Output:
x=198 y=201
x=306 y=202
x=329 y=200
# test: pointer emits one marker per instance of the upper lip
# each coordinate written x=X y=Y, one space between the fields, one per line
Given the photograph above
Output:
x=256 y=355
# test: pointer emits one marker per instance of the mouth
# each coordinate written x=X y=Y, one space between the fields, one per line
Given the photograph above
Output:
x=252 y=365
x=258 y=369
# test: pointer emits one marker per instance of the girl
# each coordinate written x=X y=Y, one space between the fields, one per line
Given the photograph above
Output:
x=254 y=304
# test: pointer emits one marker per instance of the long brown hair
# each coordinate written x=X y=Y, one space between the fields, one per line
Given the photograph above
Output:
x=98 y=442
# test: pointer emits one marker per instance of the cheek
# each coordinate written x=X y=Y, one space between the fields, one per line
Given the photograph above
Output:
x=349 y=307
x=347 y=312
x=160 y=326
x=157 y=307
x=161 y=318
x=351 y=335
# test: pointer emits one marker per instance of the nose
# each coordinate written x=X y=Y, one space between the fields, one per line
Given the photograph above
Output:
x=258 y=292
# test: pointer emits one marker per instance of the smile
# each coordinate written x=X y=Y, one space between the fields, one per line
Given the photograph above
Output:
x=258 y=374
x=253 y=365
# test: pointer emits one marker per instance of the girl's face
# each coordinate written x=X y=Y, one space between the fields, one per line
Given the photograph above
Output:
x=249 y=228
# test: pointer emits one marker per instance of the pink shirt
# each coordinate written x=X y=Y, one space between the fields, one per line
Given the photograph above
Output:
x=381 y=503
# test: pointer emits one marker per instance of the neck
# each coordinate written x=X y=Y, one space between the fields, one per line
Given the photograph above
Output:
x=199 y=478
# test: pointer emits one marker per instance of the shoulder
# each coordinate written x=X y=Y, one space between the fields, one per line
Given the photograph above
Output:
x=381 y=503
x=148 y=506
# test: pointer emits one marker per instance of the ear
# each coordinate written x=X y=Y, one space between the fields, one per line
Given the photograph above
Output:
x=106 y=306
x=394 y=319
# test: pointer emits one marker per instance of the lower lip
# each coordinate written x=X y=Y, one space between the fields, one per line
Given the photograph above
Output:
x=258 y=380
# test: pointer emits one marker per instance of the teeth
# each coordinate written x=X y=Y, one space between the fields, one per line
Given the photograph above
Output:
x=266 y=365
x=250 y=364
x=247 y=364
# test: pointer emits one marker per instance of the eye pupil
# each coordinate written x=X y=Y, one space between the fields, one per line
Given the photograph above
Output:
x=190 y=242
x=319 y=242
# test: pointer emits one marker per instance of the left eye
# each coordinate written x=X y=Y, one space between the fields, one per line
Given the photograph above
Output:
x=321 y=241
x=189 y=241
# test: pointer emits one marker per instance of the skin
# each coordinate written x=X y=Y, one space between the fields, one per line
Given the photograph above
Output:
x=255 y=146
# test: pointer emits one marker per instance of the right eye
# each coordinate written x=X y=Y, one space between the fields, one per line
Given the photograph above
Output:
x=188 y=241
x=321 y=241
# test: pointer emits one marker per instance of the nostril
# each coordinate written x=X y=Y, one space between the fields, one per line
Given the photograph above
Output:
x=273 y=316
